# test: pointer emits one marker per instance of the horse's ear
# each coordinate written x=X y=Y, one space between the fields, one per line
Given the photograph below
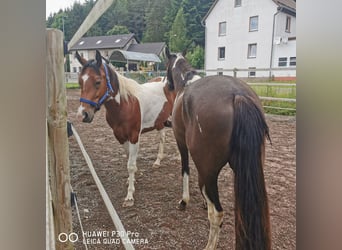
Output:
x=81 y=60
x=167 y=52
x=98 y=58
x=184 y=52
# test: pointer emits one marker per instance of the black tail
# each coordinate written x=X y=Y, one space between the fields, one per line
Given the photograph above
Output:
x=252 y=225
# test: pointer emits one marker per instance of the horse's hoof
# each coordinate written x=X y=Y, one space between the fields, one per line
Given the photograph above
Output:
x=156 y=165
x=182 y=205
x=128 y=203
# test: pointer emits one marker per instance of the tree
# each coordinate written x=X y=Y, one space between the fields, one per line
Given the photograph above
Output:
x=194 y=12
x=169 y=17
x=135 y=22
x=178 y=35
x=196 y=57
x=118 y=30
x=155 y=26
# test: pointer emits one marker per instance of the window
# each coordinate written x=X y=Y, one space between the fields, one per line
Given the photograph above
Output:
x=251 y=73
x=237 y=3
x=253 y=23
x=74 y=69
x=288 y=24
x=293 y=61
x=221 y=53
x=252 y=50
x=282 y=61
x=222 y=28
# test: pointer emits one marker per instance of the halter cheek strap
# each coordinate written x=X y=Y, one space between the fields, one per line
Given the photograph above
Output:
x=109 y=91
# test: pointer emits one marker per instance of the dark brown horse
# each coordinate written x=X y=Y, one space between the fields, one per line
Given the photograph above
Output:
x=220 y=120
x=131 y=108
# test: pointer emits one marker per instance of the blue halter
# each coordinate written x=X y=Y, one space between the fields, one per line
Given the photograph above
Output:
x=109 y=91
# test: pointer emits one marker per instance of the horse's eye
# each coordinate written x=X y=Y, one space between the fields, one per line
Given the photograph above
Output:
x=97 y=84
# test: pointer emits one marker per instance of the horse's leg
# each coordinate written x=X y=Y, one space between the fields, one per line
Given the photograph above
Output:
x=132 y=168
x=215 y=213
x=200 y=184
x=185 y=173
x=160 y=155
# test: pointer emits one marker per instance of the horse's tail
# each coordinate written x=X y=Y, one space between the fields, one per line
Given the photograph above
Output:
x=252 y=225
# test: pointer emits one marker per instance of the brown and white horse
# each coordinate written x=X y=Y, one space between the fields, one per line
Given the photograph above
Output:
x=220 y=120
x=131 y=108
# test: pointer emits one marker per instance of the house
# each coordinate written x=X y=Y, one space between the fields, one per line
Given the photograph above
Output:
x=251 y=34
x=119 y=48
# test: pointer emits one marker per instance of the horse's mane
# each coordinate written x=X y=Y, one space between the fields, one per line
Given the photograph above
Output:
x=127 y=87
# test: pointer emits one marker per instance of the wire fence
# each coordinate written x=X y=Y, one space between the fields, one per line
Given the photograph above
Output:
x=277 y=97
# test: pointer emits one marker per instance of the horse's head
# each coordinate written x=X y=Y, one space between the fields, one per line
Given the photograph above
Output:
x=95 y=83
x=177 y=70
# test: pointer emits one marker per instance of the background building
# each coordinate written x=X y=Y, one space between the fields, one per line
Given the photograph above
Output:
x=118 y=48
x=251 y=34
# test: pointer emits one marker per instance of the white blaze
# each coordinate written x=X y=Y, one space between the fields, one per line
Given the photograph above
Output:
x=79 y=114
x=85 y=77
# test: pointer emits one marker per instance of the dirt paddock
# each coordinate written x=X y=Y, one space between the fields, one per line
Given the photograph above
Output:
x=154 y=221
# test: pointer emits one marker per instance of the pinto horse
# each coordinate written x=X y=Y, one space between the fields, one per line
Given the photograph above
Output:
x=220 y=120
x=131 y=108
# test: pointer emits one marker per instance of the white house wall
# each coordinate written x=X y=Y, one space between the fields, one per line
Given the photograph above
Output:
x=284 y=47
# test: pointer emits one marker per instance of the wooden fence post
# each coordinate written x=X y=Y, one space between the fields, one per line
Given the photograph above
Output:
x=58 y=147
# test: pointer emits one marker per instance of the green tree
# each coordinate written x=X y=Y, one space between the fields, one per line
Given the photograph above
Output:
x=196 y=57
x=170 y=16
x=155 y=26
x=178 y=35
x=117 y=30
x=194 y=12
x=135 y=22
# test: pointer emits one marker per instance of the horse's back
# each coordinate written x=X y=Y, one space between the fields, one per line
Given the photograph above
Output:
x=219 y=87
x=208 y=113
x=212 y=95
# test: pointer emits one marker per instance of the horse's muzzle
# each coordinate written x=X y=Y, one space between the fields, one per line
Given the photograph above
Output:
x=87 y=117
x=84 y=115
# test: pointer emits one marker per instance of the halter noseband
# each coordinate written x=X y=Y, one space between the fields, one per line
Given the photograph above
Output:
x=109 y=91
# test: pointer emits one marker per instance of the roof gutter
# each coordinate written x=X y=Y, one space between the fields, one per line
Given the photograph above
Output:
x=279 y=9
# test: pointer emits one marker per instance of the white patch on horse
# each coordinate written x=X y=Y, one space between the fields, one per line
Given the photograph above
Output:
x=151 y=101
x=199 y=125
x=132 y=168
x=179 y=56
x=186 y=195
x=117 y=97
x=79 y=114
x=194 y=78
x=85 y=77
